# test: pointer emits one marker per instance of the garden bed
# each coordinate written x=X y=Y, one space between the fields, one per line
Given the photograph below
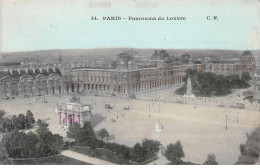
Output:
x=108 y=155
x=52 y=160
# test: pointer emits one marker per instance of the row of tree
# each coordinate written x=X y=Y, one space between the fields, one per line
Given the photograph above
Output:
x=139 y=153
x=251 y=149
x=174 y=153
x=16 y=144
x=86 y=136
x=209 y=84
x=142 y=152
x=16 y=122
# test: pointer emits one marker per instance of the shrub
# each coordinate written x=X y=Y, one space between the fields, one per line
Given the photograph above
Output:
x=103 y=133
x=174 y=152
x=251 y=148
x=211 y=160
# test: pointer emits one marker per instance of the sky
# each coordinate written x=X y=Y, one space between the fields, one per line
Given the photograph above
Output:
x=28 y=25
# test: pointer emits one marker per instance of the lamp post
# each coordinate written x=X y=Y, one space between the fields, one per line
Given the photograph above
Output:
x=159 y=108
x=237 y=117
x=132 y=123
x=226 y=121
x=149 y=111
x=259 y=114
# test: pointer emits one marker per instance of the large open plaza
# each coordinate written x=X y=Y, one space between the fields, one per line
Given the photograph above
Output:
x=202 y=125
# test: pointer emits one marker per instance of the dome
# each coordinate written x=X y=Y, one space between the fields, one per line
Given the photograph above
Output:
x=125 y=56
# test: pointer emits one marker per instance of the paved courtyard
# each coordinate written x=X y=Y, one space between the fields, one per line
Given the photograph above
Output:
x=200 y=124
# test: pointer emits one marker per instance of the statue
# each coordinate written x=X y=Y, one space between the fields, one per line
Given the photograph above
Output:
x=158 y=127
x=75 y=99
x=189 y=93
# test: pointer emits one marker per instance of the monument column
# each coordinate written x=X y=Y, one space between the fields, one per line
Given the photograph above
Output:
x=59 y=117
x=78 y=119
x=73 y=118
x=66 y=119
x=81 y=119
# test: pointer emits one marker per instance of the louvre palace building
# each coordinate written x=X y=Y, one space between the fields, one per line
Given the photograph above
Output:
x=126 y=75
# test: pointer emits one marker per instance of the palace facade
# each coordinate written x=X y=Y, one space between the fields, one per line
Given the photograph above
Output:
x=126 y=75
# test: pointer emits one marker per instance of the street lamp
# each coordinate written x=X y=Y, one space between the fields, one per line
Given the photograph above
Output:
x=237 y=117
x=159 y=107
x=226 y=121
x=149 y=111
x=44 y=101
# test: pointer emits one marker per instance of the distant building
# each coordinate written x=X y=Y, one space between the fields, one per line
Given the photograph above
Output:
x=126 y=77
x=222 y=66
x=256 y=79
x=129 y=73
x=246 y=63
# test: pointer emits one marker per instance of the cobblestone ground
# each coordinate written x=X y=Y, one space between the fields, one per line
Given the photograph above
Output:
x=200 y=124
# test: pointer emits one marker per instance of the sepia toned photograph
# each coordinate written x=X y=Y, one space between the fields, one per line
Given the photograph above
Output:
x=129 y=82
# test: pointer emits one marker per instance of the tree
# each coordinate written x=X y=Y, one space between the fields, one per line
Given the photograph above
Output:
x=67 y=145
x=250 y=150
x=3 y=152
x=21 y=145
x=7 y=125
x=211 y=160
x=137 y=151
x=124 y=151
x=89 y=130
x=15 y=121
x=210 y=84
x=21 y=121
x=43 y=129
x=39 y=121
x=49 y=144
x=73 y=129
x=29 y=118
x=56 y=144
x=246 y=76
x=11 y=143
x=174 y=152
x=151 y=146
x=2 y=113
x=28 y=143
x=83 y=135
x=103 y=133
